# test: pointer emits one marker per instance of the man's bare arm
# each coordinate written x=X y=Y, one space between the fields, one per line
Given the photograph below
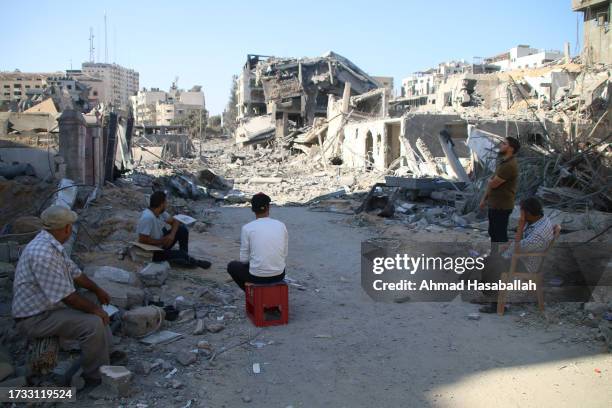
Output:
x=83 y=281
x=76 y=301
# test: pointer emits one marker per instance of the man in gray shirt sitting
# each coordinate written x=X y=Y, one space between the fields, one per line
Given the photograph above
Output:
x=153 y=229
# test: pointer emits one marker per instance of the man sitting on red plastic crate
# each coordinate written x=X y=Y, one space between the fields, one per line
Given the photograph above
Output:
x=263 y=247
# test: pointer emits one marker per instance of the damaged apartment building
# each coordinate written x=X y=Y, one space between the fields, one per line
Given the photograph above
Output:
x=447 y=121
x=283 y=96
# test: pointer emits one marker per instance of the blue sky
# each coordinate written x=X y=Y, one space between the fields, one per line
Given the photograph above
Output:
x=205 y=42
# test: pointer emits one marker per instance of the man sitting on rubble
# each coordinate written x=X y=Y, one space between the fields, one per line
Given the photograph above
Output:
x=45 y=301
x=263 y=247
x=533 y=234
x=152 y=230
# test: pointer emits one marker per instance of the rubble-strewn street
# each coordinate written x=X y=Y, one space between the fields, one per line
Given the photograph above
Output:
x=332 y=238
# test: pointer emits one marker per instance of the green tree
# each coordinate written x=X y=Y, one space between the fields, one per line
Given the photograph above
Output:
x=231 y=110
x=194 y=121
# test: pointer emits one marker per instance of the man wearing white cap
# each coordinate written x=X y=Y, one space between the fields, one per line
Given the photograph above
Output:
x=45 y=300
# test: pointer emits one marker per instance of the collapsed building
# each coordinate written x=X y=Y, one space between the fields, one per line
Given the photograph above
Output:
x=281 y=96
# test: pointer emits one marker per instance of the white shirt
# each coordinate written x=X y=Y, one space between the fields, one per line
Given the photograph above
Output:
x=263 y=244
x=152 y=225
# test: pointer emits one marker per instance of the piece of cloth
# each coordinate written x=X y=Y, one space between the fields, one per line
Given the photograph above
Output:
x=43 y=277
x=498 y=224
x=152 y=225
x=239 y=271
x=263 y=245
x=536 y=238
x=502 y=197
x=176 y=256
x=93 y=335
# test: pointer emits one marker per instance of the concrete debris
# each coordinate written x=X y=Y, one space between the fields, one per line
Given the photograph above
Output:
x=112 y=274
x=154 y=273
x=215 y=327
x=117 y=379
x=186 y=358
x=122 y=296
x=200 y=328
x=142 y=321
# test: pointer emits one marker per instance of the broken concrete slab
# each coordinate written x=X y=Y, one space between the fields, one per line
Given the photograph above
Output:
x=141 y=321
x=122 y=296
x=112 y=274
x=162 y=337
x=215 y=327
x=117 y=378
x=200 y=327
x=154 y=273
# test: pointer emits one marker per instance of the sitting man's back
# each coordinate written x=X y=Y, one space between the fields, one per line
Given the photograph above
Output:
x=263 y=247
x=263 y=244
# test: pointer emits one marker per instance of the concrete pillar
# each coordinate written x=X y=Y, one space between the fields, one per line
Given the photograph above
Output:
x=72 y=140
x=94 y=173
x=566 y=50
x=346 y=97
x=282 y=125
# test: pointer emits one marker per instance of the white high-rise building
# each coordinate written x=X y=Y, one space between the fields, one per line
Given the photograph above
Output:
x=118 y=83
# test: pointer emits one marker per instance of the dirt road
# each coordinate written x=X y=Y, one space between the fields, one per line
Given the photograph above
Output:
x=341 y=349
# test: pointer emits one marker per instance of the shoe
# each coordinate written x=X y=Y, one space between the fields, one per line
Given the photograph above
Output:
x=203 y=263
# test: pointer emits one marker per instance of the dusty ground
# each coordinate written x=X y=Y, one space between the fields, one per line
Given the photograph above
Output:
x=341 y=349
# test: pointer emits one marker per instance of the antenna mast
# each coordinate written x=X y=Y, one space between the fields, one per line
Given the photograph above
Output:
x=105 y=41
x=91 y=45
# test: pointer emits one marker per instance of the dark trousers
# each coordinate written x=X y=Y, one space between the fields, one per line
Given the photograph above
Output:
x=177 y=256
x=239 y=271
x=498 y=224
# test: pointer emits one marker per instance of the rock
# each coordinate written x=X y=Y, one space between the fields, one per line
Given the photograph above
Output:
x=123 y=296
x=199 y=328
x=246 y=399
x=180 y=303
x=176 y=384
x=215 y=327
x=143 y=367
x=605 y=327
x=347 y=180
x=186 y=357
x=186 y=315
x=597 y=308
x=6 y=370
x=154 y=274
x=204 y=345
x=229 y=315
x=117 y=379
x=142 y=320
x=200 y=227
x=473 y=316
x=112 y=274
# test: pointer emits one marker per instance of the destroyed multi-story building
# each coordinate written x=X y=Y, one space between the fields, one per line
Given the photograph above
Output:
x=276 y=95
x=155 y=107
x=597 y=36
x=19 y=85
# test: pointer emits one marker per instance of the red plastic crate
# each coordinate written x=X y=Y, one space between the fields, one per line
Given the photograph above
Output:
x=270 y=297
